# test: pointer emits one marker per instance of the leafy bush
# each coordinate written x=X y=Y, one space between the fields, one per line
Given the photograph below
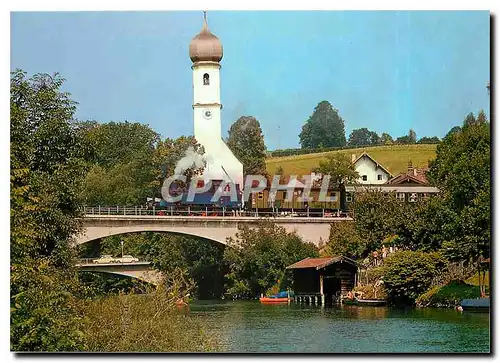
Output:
x=408 y=274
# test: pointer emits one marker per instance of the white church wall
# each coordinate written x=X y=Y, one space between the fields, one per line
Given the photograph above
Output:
x=206 y=93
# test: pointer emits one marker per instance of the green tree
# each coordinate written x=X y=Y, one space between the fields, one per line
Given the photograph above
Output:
x=48 y=159
x=380 y=215
x=246 y=141
x=462 y=171
x=453 y=130
x=340 y=169
x=325 y=128
x=344 y=240
x=403 y=140
x=412 y=137
x=374 y=138
x=167 y=155
x=201 y=260
x=124 y=170
x=386 y=139
x=408 y=274
x=257 y=258
x=429 y=140
x=363 y=137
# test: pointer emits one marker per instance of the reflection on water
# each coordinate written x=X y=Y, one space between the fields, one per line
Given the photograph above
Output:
x=248 y=326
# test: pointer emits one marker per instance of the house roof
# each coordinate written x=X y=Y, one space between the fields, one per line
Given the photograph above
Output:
x=414 y=175
x=372 y=159
x=402 y=188
x=401 y=178
x=319 y=263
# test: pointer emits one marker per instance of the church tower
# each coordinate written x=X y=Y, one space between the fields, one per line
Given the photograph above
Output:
x=205 y=51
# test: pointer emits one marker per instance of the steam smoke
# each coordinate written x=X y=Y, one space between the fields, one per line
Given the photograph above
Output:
x=190 y=159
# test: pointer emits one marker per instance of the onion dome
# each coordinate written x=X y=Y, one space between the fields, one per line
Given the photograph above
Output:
x=205 y=47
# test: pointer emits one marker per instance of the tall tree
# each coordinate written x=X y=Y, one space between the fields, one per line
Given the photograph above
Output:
x=462 y=170
x=386 y=139
x=360 y=137
x=374 y=138
x=48 y=160
x=325 y=128
x=246 y=141
x=124 y=167
x=412 y=137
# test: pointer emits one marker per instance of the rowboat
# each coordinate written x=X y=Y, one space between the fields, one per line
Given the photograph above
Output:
x=282 y=297
x=273 y=299
x=365 y=302
x=482 y=304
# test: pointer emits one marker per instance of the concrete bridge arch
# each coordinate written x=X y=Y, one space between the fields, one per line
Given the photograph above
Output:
x=218 y=229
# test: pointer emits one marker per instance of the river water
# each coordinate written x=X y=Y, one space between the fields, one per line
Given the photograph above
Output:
x=249 y=326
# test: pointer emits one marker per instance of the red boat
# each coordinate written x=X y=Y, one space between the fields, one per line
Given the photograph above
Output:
x=274 y=299
x=282 y=297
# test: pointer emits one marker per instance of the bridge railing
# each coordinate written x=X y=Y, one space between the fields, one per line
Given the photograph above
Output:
x=208 y=212
x=115 y=261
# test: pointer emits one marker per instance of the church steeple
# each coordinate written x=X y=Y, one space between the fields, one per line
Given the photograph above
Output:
x=205 y=47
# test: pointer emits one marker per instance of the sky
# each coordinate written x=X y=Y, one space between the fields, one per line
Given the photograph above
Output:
x=386 y=71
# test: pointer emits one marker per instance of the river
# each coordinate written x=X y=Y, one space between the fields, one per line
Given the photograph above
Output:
x=249 y=326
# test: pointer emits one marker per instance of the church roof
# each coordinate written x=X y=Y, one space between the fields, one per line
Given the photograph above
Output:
x=205 y=47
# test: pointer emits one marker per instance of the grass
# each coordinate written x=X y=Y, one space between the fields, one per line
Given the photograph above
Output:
x=394 y=157
x=449 y=295
x=452 y=293
x=474 y=280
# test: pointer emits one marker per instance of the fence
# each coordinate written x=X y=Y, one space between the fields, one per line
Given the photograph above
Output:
x=211 y=212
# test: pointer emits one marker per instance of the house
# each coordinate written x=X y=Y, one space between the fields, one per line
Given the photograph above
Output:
x=323 y=280
x=370 y=171
x=409 y=186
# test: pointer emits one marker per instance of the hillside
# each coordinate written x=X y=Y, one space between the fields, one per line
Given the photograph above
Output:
x=393 y=157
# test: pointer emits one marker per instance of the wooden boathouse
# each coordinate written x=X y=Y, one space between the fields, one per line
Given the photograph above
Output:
x=323 y=280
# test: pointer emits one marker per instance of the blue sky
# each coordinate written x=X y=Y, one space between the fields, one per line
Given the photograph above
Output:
x=387 y=71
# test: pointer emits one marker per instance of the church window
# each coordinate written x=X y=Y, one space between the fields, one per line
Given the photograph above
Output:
x=206 y=79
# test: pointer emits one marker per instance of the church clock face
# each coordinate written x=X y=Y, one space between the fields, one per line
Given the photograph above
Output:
x=207 y=114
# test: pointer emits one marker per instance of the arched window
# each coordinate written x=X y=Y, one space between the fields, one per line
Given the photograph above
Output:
x=206 y=79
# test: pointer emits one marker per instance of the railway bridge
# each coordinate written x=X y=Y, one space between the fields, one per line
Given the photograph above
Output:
x=214 y=228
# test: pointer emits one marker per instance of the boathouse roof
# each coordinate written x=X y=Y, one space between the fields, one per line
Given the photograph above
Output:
x=321 y=262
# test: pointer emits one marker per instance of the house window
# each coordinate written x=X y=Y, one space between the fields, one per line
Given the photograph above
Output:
x=260 y=195
x=348 y=198
x=206 y=79
x=379 y=177
x=365 y=177
x=413 y=197
x=400 y=196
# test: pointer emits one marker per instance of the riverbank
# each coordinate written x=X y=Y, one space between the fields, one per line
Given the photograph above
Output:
x=451 y=294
